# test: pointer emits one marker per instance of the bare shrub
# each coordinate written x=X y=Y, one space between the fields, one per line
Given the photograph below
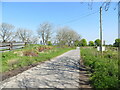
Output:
x=29 y=53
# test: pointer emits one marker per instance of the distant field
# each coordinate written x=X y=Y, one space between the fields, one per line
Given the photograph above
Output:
x=104 y=69
x=29 y=55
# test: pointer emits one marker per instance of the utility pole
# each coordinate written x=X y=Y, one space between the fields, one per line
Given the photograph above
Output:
x=101 y=29
x=104 y=42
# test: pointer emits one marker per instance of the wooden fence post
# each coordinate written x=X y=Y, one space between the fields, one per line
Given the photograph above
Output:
x=11 y=46
x=25 y=43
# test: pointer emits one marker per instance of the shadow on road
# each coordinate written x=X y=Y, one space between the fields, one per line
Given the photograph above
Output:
x=64 y=72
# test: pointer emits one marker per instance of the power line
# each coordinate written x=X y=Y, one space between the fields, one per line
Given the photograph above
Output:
x=80 y=17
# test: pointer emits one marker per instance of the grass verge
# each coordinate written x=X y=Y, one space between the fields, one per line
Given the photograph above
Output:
x=29 y=55
x=104 y=70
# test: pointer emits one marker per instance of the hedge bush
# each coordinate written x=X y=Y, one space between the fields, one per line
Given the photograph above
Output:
x=104 y=69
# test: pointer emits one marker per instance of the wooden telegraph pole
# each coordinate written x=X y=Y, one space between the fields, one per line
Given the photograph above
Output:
x=101 y=29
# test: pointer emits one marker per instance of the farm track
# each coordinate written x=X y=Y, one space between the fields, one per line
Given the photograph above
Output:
x=63 y=71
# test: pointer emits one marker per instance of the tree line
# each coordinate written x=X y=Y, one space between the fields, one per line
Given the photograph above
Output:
x=97 y=42
x=63 y=36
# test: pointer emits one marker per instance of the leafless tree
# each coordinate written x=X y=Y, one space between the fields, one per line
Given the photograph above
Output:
x=34 y=39
x=67 y=36
x=6 y=32
x=24 y=34
x=44 y=31
x=105 y=4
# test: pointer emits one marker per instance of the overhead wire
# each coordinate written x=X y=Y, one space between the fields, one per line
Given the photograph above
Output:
x=73 y=20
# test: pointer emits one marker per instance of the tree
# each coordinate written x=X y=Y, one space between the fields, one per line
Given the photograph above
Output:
x=117 y=43
x=76 y=43
x=91 y=43
x=49 y=43
x=24 y=34
x=34 y=39
x=97 y=42
x=83 y=42
x=45 y=31
x=105 y=4
x=67 y=36
x=6 y=32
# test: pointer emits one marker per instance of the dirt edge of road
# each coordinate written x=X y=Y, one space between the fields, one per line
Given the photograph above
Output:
x=17 y=71
x=84 y=76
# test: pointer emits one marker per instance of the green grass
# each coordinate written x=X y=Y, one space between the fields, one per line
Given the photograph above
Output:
x=12 y=59
x=104 y=69
x=3 y=49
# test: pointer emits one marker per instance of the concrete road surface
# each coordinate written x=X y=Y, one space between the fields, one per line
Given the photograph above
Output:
x=59 y=72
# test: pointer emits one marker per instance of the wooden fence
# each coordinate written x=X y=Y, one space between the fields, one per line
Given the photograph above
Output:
x=7 y=46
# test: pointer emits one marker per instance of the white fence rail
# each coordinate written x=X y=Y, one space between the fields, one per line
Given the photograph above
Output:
x=11 y=46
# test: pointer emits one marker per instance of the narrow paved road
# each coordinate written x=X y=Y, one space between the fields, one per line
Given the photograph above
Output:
x=60 y=72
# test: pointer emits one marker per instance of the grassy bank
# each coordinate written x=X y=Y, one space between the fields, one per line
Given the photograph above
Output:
x=29 y=55
x=104 y=70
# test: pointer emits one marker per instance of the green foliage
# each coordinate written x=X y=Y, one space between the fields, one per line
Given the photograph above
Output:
x=97 y=42
x=104 y=69
x=83 y=42
x=49 y=43
x=29 y=55
x=91 y=43
x=117 y=43
x=76 y=43
x=61 y=43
